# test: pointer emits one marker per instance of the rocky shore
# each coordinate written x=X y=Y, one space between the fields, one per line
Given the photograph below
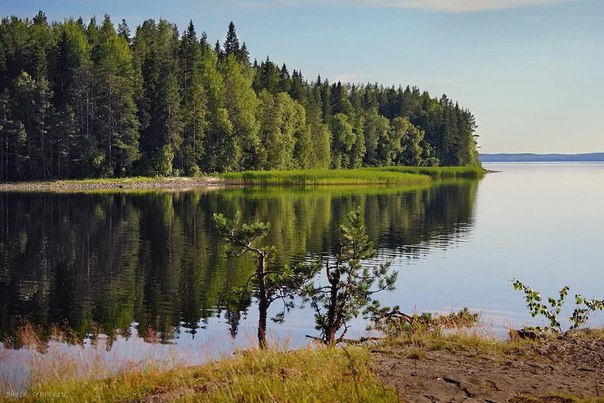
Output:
x=568 y=368
x=112 y=184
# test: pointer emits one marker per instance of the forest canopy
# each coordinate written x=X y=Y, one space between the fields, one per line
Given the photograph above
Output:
x=80 y=100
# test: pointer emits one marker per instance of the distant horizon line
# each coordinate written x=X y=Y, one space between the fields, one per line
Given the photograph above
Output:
x=533 y=157
x=537 y=153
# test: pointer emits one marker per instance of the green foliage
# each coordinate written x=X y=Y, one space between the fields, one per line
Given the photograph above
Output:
x=271 y=284
x=156 y=47
x=409 y=137
x=437 y=172
x=240 y=235
x=115 y=119
x=551 y=310
x=163 y=161
x=376 y=131
x=194 y=104
x=343 y=140
x=280 y=117
x=241 y=104
x=96 y=101
x=581 y=315
x=350 y=283
x=322 y=177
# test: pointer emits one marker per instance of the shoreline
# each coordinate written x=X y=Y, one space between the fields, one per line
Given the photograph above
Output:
x=117 y=184
x=414 y=367
x=354 y=177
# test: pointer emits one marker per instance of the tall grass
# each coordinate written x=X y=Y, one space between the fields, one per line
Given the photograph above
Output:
x=438 y=172
x=361 y=176
x=309 y=374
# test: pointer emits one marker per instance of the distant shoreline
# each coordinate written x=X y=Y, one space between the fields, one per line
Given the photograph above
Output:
x=530 y=157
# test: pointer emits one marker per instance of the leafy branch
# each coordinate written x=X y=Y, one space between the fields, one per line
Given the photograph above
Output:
x=551 y=310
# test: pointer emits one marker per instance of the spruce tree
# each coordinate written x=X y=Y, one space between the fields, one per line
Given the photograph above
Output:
x=124 y=31
x=231 y=43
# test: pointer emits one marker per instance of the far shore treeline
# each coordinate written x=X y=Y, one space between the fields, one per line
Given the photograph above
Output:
x=86 y=99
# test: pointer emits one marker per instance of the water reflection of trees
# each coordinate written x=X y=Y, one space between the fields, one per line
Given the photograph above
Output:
x=105 y=261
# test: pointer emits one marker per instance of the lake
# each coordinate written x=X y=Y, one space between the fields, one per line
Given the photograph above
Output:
x=141 y=278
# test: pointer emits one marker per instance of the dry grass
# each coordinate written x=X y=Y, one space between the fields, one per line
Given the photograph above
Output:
x=477 y=340
x=309 y=374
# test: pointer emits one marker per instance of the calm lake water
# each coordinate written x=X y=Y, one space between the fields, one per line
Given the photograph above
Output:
x=146 y=272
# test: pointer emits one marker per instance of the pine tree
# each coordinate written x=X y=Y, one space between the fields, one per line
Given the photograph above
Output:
x=297 y=88
x=32 y=103
x=339 y=100
x=243 y=56
x=162 y=134
x=68 y=65
x=115 y=121
x=194 y=102
x=325 y=99
x=320 y=157
x=124 y=31
x=269 y=77
x=284 y=80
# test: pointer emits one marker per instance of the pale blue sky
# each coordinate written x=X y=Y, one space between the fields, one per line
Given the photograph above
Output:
x=532 y=71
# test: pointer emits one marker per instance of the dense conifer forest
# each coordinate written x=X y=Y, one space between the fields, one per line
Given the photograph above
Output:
x=89 y=99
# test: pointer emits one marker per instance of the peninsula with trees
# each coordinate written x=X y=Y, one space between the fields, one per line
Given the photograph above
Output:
x=95 y=100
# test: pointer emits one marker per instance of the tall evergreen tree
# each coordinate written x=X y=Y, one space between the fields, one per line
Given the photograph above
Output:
x=123 y=30
x=115 y=120
x=194 y=102
x=162 y=134
x=231 y=43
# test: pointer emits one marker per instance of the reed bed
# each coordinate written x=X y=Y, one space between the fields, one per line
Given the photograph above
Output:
x=361 y=176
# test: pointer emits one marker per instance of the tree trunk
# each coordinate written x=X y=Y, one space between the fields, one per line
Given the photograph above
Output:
x=262 y=300
x=331 y=328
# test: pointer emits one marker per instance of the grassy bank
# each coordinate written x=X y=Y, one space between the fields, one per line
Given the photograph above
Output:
x=404 y=176
x=378 y=175
x=362 y=373
x=438 y=172
x=325 y=177
x=309 y=374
